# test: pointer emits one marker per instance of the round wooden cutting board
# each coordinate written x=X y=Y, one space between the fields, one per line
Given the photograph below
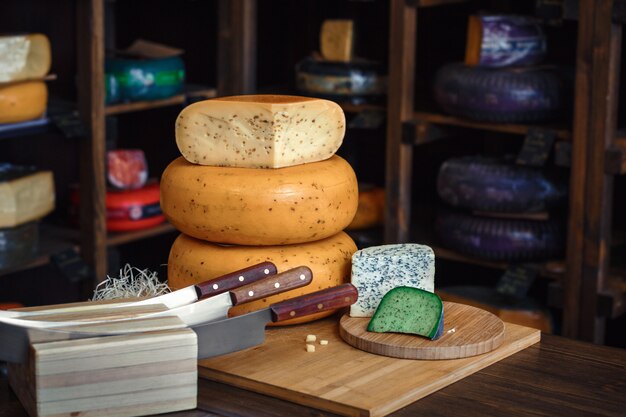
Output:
x=467 y=331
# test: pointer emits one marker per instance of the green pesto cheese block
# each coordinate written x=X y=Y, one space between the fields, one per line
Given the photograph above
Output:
x=409 y=310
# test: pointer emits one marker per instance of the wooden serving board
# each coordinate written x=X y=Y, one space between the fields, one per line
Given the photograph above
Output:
x=468 y=331
x=342 y=379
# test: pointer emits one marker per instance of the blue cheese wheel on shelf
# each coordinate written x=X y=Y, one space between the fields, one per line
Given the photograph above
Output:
x=378 y=269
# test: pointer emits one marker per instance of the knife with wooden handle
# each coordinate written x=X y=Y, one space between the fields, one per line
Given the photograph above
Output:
x=203 y=311
x=171 y=300
x=241 y=332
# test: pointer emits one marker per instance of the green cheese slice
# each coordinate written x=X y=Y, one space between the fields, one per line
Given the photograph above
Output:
x=409 y=310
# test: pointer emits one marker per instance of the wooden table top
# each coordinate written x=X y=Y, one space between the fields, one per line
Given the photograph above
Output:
x=556 y=377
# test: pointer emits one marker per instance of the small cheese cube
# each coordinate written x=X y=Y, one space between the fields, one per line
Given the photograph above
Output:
x=378 y=269
x=337 y=40
x=311 y=338
x=310 y=348
x=260 y=131
x=323 y=342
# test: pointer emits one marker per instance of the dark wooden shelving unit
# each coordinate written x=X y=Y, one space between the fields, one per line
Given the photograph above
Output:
x=120 y=238
x=598 y=153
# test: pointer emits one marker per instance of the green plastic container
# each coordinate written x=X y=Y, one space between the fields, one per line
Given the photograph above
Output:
x=145 y=79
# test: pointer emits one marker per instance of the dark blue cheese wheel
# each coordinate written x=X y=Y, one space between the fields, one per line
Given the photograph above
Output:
x=378 y=269
x=409 y=310
x=503 y=95
x=496 y=185
x=501 y=239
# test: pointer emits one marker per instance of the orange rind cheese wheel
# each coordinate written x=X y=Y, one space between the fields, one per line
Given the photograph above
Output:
x=23 y=101
x=192 y=261
x=251 y=206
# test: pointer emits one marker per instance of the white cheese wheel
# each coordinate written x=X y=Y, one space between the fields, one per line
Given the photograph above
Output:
x=248 y=206
x=260 y=131
x=192 y=261
x=24 y=57
x=25 y=195
x=378 y=269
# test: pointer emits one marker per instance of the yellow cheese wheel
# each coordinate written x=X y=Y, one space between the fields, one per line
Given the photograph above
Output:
x=371 y=211
x=192 y=261
x=252 y=206
x=23 y=101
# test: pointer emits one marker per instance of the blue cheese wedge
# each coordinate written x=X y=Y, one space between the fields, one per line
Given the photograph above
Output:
x=378 y=269
x=260 y=131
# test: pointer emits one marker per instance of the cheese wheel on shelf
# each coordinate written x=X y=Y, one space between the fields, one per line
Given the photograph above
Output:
x=260 y=131
x=248 y=206
x=24 y=57
x=192 y=261
x=371 y=210
x=337 y=40
x=23 y=101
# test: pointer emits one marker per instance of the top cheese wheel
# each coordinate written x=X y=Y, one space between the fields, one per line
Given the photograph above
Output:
x=248 y=206
x=260 y=131
x=24 y=57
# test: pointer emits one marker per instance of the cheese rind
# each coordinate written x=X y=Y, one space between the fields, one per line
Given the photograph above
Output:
x=23 y=101
x=24 y=57
x=247 y=206
x=192 y=261
x=378 y=269
x=260 y=131
x=25 y=194
x=337 y=40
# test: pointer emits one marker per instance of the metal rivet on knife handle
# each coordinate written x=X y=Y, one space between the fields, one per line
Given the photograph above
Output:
x=275 y=284
x=328 y=299
x=235 y=279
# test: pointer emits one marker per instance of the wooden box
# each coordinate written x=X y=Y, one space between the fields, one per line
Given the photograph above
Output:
x=149 y=370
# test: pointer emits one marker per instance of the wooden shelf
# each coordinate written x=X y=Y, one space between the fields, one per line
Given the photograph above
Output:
x=52 y=241
x=551 y=269
x=518 y=129
x=190 y=92
x=120 y=238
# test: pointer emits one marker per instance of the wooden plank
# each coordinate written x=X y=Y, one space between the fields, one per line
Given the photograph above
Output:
x=518 y=129
x=399 y=159
x=143 y=105
x=236 y=51
x=90 y=62
x=342 y=379
x=599 y=47
x=151 y=369
x=121 y=238
x=615 y=157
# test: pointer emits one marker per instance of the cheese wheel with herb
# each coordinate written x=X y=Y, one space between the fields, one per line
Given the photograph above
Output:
x=23 y=101
x=24 y=57
x=248 y=206
x=260 y=131
x=192 y=261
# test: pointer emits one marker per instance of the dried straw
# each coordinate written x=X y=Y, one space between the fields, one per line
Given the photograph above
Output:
x=132 y=282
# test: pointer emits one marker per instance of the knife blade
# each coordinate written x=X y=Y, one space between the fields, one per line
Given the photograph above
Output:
x=174 y=299
x=241 y=332
x=203 y=311
x=216 y=338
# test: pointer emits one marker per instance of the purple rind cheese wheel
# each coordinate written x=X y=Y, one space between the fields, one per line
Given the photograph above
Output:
x=503 y=95
x=496 y=185
x=510 y=40
x=495 y=239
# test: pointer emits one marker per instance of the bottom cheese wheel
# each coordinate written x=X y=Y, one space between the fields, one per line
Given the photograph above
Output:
x=23 y=101
x=192 y=261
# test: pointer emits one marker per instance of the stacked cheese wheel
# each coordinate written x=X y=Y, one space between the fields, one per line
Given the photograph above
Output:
x=259 y=180
x=24 y=62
